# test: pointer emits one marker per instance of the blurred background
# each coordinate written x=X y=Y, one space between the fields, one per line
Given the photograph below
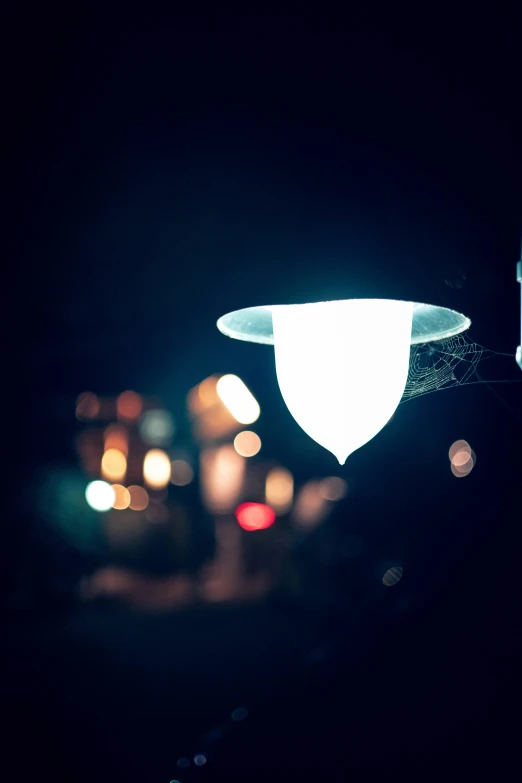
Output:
x=191 y=585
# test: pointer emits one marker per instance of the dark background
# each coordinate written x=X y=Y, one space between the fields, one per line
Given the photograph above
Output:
x=156 y=180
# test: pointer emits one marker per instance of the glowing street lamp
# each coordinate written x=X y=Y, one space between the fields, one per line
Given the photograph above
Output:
x=342 y=366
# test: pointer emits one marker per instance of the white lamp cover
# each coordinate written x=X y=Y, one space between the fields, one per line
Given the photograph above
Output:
x=342 y=367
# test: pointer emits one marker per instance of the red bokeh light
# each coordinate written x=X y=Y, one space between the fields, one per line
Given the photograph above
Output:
x=255 y=516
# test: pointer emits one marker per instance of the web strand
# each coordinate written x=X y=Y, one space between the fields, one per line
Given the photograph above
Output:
x=445 y=364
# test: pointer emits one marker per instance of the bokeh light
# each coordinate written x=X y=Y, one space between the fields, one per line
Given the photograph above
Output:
x=156 y=468
x=157 y=427
x=461 y=457
x=99 y=495
x=122 y=497
x=255 y=516
x=247 y=443
x=114 y=465
x=200 y=759
x=333 y=488
x=139 y=498
x=89 y=445
x=116 y=437
x=238 y=399
x=392 y=576
x=181 y=473
x=310 y=507
x=129 y=405
x=240 y=713
x=87 y=406
x=459 y=445
x=157 y=512
x=463 y=463
x=222 y=475
x=207 y=392
x=279 y=490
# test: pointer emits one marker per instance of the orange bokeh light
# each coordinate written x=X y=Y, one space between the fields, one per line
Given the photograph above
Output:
x=123 y=497
x=207 y=392
x=87 y=406
x=129 y=405
x=114 y=465
x=255 y=516
x=139 y=498
x=116 y=437
x=279 y=490
x=247 y=443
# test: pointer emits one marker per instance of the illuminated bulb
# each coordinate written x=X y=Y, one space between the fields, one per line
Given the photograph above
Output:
x=156 y=468
x=342 y=367
x=99 y=495
x=238 y=399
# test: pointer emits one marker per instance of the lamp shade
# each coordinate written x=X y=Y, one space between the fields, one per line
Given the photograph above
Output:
x=342 y=367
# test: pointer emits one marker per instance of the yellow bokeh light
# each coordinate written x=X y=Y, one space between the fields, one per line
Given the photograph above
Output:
x=247 y=443
x=123 y=498
x=238 y=399
x=156 y=468
x=181 y=473
x=114 y=465
x=139 y=498
x=279 y=490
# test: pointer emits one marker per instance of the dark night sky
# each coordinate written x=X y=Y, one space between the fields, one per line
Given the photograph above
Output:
x=157 y=180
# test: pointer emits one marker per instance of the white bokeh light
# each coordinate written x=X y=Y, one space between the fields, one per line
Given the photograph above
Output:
x=342 y=367
x=99 y=495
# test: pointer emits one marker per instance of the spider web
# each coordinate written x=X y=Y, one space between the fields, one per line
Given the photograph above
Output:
x=444 y=364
